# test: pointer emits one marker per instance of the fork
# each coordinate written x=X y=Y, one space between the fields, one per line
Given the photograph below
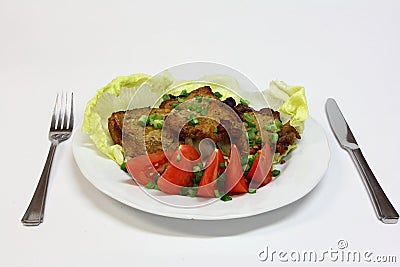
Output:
x=62 y=122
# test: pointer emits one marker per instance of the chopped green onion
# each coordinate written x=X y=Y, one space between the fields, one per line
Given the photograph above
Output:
x=203 y=111
x=222 y=165
x=217 y=193
x=248 y=117
x=276 y=173
x=178 y=157
x=196 y=168
x=244 y=102
x=193 y=122
x=250 y=124
x=193 y=191
x=246 y=167
x=198 y=173
x=150 y=185
x=123 y=166
x=158 y=124
x=259 y=141
x=199 y=108
x=143 y=120
x=166 y=97
x=274 y=138
x=200 y=165
x=278 y=124
x=244 y=160
x=197 y=177
x=180 y=100
x=215 y=130
x=218 y=94
x=184 y=93
x=250 y=162
x=175 y=106
x=226 y=198
x=270 y=127
x=252 y=133
x=252 y=190
x=184 y=191
x=199 y=99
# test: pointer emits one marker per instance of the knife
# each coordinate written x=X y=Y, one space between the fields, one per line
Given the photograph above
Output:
x=383 y=208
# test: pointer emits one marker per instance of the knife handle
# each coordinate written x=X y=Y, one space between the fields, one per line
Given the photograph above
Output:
x=383 y=208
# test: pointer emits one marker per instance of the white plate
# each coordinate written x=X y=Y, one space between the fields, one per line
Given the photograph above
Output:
x=302 y=172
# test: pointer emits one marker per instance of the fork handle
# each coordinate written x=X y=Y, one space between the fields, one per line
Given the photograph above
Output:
x=34 y=213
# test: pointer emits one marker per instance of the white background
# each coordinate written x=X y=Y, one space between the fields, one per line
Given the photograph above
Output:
x=348 y=50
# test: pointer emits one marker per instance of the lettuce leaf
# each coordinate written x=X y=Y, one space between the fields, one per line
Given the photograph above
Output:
x=113 y=97
x=290 y=101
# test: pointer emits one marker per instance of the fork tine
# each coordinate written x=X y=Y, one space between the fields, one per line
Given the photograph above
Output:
x=65 y=117
x=71 y=114
x=53 y=117
x=60 y=112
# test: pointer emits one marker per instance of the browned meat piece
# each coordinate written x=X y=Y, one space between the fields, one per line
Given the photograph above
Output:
x=214 y=121
x=269 y=112
x=287 y=136
x=169 y=104
x=230 y=102
x=213 y=124
x=204 y=129
x=205 y=92
x=135 y=139
x=115 y=123
x=241 y=109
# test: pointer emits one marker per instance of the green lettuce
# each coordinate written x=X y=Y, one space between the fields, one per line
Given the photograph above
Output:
x=113 y=97
x=290 y=101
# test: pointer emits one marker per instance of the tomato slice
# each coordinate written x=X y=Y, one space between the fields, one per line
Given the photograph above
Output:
x=208 y=182
x=145 y=168
x=235 y=181
x=240 y=187
x=189 y=152
x=260 y=172
x=175 y=177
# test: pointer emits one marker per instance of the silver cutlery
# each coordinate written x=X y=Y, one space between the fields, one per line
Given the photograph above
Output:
x=383 y=208
x=62 y=122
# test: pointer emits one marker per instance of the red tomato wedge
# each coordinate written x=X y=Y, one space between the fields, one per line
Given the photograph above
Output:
x=235 y=182
x=208 y=182
x=145 y=168
x=174 y=177
x=260 y=172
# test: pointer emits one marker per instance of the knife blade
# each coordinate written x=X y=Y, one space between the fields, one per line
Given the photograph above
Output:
x=383 y=208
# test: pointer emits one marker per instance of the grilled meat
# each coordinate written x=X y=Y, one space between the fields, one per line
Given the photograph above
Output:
x=115 y=123
x=230 y=102
x=287 y=136
x=135 y=138
x=220 y=118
